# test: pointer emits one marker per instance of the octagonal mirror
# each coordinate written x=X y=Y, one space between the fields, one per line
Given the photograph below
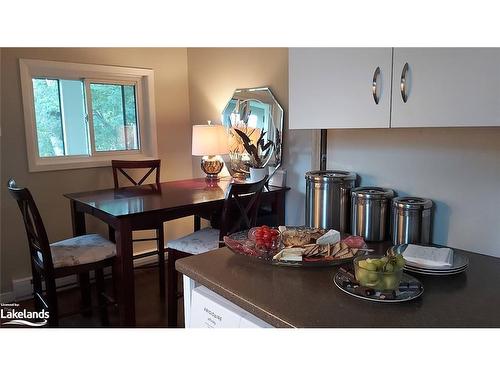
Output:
x=254 y=120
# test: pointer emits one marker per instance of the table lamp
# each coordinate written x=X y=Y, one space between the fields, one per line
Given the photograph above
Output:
x=210 y=141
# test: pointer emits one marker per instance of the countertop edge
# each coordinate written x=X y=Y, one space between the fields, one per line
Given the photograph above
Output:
x=231 y=296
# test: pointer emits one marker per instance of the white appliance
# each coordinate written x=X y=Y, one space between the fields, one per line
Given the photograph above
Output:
x=210 y=310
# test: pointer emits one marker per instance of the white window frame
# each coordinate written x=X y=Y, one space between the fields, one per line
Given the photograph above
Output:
x=143 y=79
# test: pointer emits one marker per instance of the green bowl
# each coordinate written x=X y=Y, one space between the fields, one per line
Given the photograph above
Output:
x=369 y=277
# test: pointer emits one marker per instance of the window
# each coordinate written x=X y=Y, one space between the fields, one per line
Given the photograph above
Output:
x=60 y=117
x=79 y=115
x=115 y=118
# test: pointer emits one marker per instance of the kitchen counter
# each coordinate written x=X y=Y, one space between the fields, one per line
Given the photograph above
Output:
x=307 y=297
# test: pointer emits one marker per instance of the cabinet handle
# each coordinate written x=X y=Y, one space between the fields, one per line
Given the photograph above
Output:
x=404 y=94
x=374 y=85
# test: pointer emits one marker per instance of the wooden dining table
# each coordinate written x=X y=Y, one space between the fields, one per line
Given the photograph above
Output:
x=139 y=207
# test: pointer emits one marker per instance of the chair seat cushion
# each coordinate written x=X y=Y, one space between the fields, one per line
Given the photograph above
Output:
x=85 y=249
x=198 y=242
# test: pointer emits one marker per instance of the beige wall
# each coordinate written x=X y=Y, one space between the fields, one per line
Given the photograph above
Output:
x=214 y=73
x=174 y=135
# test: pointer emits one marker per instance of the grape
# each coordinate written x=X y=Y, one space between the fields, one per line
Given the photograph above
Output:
x=361 y=275
x=372 y=277
x=362 y=264
x=390 y=282
x=400 y=261
x=369 y=266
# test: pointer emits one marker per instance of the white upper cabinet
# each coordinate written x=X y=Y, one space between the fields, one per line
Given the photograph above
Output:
x=339 y=88
x=446 y=87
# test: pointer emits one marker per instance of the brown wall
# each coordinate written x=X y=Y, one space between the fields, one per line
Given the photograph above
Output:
x=174 y=137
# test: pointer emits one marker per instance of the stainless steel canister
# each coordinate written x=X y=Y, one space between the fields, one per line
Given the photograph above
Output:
x=328 y=199
x=411 y=220
x=370 y=212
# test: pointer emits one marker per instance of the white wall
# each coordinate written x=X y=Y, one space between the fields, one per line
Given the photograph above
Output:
x=459 y=169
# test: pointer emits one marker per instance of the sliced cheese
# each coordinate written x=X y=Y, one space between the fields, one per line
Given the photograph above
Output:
x=293 y=254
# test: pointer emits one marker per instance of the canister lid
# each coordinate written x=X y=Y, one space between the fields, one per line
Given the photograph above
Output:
x=372 y=192
x=330 y=176
x=412 y=203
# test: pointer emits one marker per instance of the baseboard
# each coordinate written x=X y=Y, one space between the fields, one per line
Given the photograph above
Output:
x=22 y=289
x=7 y=297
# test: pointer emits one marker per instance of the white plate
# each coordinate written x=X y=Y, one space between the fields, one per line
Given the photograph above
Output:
x=410 y=267
x=431 y=273
x=460 y=261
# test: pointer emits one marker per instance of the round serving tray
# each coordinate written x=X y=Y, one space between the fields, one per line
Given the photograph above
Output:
x=409 y=289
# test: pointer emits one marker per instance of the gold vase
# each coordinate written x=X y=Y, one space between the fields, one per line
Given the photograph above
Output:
x=212 y=165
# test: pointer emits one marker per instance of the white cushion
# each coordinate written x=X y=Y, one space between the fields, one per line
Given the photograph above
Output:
x=198 y=242
x=85 y=249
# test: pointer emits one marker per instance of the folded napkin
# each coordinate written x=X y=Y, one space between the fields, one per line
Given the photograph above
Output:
x=428 y=256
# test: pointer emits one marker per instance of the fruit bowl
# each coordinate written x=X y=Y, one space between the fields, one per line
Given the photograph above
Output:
x=379 y=272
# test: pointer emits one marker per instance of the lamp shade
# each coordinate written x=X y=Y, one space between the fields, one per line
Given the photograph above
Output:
x=209 y=140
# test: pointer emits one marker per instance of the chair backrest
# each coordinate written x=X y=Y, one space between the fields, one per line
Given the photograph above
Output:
x=38 y=242
x=241 y=206
x=121 y=165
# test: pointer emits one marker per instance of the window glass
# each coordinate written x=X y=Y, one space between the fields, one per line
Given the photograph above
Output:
x=60 y=117
x=48 y=117
x=114 y=117
x=74 y=115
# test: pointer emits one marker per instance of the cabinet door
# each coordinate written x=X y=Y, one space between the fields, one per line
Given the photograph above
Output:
x=446 y=87
x=333 y=88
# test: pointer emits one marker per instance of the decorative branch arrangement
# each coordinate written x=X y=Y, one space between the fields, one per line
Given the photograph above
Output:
x=257 y=158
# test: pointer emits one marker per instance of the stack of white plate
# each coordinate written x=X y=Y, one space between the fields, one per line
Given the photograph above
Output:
x=460 y=264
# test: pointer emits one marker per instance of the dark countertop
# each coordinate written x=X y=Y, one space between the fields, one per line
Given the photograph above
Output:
x=307 y=297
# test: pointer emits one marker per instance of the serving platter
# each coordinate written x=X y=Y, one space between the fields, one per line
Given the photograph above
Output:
x=269 y=256
x=409 y=289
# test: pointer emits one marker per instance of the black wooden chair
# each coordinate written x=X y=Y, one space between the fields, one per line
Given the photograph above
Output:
x=152 y=166
x=73 y=256
x=239 y=212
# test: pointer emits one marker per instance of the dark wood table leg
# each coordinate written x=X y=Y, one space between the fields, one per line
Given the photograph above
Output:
x=111 y=233
x=124 y=268
x=171 y=289
x=77 y=220
x=279 y=207
x=161 y=260
x=79 y=229
x=197 y=223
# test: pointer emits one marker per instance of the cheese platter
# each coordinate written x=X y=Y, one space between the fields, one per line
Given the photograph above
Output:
x=297 y=246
